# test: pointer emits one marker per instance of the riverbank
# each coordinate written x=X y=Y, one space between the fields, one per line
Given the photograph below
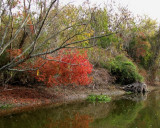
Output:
x=18 y=99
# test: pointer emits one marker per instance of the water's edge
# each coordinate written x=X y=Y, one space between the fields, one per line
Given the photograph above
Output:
x=67 y=99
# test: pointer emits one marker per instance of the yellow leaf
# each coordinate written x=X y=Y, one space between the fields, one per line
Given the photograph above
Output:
x=38 y=72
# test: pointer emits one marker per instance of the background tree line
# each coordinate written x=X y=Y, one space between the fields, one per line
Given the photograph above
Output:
x=42 y=36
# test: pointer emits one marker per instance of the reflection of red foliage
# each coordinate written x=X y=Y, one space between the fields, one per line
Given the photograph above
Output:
x=68 y=67
x=78 y=121
x=81 y=121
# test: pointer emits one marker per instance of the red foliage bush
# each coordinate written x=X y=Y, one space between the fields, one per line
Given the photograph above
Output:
x=68 y=67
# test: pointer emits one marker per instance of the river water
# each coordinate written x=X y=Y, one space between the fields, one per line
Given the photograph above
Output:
x=128 y=111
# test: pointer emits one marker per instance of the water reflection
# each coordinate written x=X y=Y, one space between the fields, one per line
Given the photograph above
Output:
x=77 y=121
x=136 y=97
x=124 y=112
x=129 y=111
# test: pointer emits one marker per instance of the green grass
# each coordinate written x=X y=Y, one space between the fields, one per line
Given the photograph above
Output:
x=5 y=106
x=99 y=98
x=128 y=92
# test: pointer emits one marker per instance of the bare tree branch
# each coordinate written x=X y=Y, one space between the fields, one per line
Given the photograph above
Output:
x=64 y=46
x=2 y=49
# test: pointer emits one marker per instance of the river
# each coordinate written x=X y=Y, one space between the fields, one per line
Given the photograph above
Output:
x=128 y=111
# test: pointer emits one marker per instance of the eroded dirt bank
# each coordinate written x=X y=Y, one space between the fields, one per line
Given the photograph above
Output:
x=17 y=98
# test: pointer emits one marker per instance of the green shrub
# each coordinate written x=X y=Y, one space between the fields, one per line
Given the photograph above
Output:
x=124 y=70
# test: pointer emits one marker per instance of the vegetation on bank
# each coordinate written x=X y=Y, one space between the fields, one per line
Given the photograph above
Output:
x=60 y=45
x=6 y=106
x=124 y=70
x=99 y=98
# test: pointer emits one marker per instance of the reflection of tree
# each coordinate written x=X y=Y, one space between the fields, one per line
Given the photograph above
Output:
x=77 y=121
x=149 y=117
x=136 y=97
x=125 y=113
x=39 y=118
